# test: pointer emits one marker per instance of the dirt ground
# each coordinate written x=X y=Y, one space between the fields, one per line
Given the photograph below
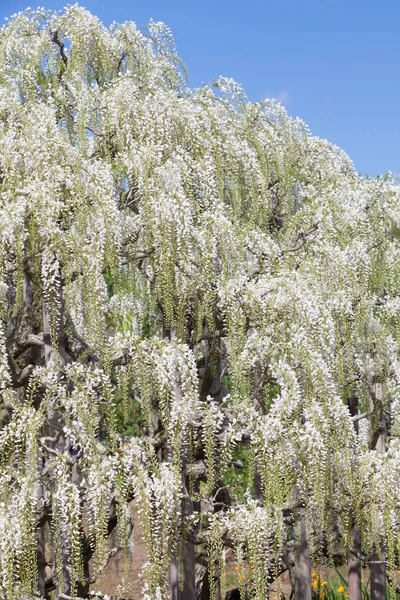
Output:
x=129 y=583
x=116 y=575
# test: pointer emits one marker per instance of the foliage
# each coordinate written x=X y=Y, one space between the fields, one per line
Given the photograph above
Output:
x=154 y=241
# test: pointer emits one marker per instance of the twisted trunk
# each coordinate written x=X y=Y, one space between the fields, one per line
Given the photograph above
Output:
x=54 y=354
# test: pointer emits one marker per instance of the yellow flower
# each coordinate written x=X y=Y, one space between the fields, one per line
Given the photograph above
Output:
x=314 y=584
x=313 y=574
x=322 y=595
x=340 y=589
x=324 y=583
x=241 y=576
x=347 y=594
x=236 y=568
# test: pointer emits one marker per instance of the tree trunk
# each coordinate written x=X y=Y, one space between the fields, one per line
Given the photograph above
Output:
x=175 y=593
x=354 y=570
x=189 y=591
x=290 y=562
x=55 y=357
x=354 y=563
x=41 y=561
x=378 y=565
x=303 y=566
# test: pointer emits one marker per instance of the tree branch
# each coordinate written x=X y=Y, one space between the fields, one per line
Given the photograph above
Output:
x=56 y=40
x=302 y=236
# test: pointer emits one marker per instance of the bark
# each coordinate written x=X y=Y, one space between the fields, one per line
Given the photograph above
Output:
x=175 y=593
x=352 y=403
x=354 y=570
x=354 y=563
x=41 y=561
x=22 y=342
x=188 y=592
x=189 y=588
x=303 y=566
x=378 y=565
x=55 y=357
x=188 y=559
x=289 y=561
x=258 y=394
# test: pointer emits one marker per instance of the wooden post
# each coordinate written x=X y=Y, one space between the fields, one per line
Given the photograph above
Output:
x=303 y=564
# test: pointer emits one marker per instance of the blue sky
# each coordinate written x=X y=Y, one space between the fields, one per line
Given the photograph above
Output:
x=333 y=63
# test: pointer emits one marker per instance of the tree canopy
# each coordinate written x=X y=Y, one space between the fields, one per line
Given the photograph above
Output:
x=207 y=259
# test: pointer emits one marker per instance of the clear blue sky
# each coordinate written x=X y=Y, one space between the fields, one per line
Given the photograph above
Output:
x=334 y=63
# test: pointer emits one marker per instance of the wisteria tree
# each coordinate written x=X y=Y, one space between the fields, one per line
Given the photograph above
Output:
x=208 y=260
